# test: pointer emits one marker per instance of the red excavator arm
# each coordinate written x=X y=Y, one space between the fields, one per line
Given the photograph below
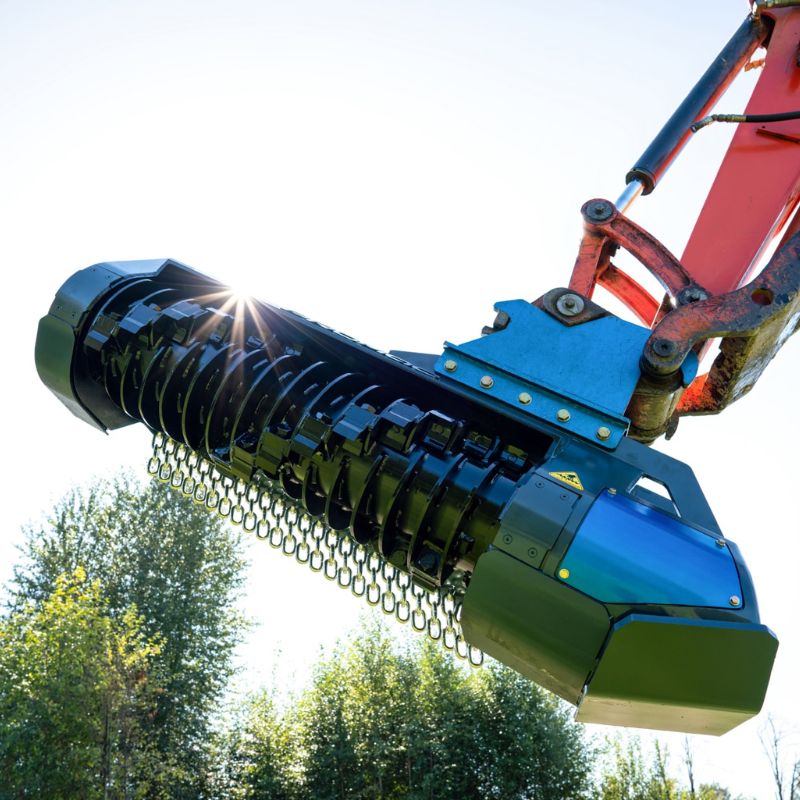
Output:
x=711 y=292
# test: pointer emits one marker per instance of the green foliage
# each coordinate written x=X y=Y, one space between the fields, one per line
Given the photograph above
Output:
x=378 y=723
x=75 y=684
x=117 y=648
x=255 y=755
x=536 y=750
x=627 y=775
x=449 y=756
x=627 y=778
x=182 y=569
x=712 y=791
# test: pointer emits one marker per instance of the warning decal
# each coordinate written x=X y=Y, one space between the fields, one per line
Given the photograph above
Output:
x=570 y=478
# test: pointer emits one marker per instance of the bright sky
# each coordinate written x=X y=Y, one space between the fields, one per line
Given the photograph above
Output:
x=390 y=169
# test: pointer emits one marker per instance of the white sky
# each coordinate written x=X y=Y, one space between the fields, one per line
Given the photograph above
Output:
x=390 y=169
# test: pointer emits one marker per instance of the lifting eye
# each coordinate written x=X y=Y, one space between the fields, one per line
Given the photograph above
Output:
x=650 y=489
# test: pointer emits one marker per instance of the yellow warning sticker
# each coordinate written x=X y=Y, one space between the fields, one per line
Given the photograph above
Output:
x=570 y=478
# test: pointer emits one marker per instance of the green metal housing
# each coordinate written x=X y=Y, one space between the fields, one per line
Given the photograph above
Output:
x=574 y=572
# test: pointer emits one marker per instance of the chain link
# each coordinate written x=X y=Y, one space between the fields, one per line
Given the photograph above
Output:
x=281 y=522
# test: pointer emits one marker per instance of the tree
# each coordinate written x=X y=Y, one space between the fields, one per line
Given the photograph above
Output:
x=630 y=779
x=665 y=787
x=75 y=684
x=256 y=753
x=706 y=791
x=688 y=762
x=354 y=722
x=182 y=568
x=786 y=776
x=450 y=753
x=378 y=722
x=534 y=749
x=713 y=791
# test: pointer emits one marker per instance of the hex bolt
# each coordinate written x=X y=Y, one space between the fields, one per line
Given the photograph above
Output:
x=562 y=415
x=721 y=543
x=664 y=348
x=570 y=304
x=603 y=433
x=487 y=382
x=524 y=398
x=599 y=210
x=734 y=600
x=450 y=365
x=612 y=491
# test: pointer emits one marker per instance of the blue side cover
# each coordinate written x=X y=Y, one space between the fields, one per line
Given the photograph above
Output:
x=627 y=552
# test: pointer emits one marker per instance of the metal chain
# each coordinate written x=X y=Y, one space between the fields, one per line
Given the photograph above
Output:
x=276 y=518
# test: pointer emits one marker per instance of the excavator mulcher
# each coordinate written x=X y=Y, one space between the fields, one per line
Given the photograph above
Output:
x=500 y=495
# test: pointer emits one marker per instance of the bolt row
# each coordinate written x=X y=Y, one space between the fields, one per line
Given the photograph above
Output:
x=562 y=415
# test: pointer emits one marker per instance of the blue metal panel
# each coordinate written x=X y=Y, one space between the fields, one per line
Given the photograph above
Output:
x=627 y=552
x=590 y=370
